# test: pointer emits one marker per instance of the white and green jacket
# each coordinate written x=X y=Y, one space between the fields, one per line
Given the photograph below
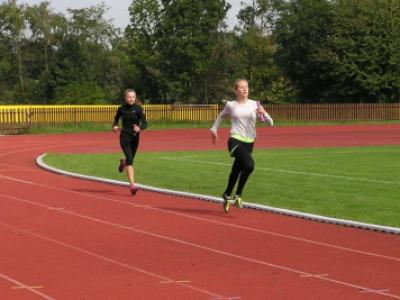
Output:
x=243 y=120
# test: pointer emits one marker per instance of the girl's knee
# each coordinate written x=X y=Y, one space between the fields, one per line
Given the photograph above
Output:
x=249 y=166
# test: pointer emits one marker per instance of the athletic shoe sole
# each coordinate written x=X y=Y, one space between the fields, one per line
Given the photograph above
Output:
x=133 y=190
x=238 y=202
x=226 y=203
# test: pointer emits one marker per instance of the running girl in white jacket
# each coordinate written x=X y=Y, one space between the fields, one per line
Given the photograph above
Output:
x=243 y=113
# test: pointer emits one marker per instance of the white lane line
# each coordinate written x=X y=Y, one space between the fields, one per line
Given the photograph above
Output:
x=287 y=171
x=108 y=259
x=371 y=291
x=18 y=287
x=198 y=246
x=19 y=168
x=21 y=285
x=229 y=298
x=56 y=208
x=313 y=275
x=52 y=146
x=174 y=281
x=207 y=220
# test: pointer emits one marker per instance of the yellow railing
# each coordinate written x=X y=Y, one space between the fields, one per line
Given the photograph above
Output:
x=38 y=115
x=334 y=111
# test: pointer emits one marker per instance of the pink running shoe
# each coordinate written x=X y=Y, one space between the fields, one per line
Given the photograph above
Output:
x=260 y=116
x=133 y=189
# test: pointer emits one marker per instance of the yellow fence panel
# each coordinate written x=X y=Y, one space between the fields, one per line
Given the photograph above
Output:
x=335 y=112
x=181 y=112
x=40 y=115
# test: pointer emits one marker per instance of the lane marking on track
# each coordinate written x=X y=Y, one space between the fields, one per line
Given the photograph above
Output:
x=288 y=171
x=26 y=230
x=26 y=287
x=174 y=281
x=56 y=208
x=193 y=245
x=108 y=260
x=18 y=287
x=372 y=291
x=52 y=146
x=314 y=275
x=229 y=298
x=133 y=205
x=26 y=144
x=13 y=167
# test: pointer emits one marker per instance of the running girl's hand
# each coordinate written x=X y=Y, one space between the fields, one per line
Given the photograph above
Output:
x=261 y=110
x=115 y=128
x=136 y=128
x=214 y=137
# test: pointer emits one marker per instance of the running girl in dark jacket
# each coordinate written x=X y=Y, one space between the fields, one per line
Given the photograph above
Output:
x=133 y=122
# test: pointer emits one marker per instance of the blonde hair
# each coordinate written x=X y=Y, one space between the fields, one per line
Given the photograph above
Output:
x=127 y=91
x=137 y=100
x=239 y=80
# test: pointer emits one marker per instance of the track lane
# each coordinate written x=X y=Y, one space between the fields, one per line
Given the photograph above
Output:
x=168 y=244
x=274 y=247
x=168 y=216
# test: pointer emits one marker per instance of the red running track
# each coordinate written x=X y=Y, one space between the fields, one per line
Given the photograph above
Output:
x=63 y=238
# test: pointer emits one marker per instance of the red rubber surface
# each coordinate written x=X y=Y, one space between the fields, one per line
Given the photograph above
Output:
x=63 y=238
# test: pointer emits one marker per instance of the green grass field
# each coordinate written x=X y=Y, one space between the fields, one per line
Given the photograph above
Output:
x=360 y=184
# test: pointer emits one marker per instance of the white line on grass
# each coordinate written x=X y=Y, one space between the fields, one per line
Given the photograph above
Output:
x=286 y=171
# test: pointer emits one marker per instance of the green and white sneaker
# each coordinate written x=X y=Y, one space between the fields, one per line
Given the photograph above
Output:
x=238 y=201
x=226 y=203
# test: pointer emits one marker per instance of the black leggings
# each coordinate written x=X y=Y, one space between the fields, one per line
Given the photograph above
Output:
x=129 y=143
x=242 y=167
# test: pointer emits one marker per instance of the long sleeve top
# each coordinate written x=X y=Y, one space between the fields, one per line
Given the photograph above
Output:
x=243 y=119
x=130 y=115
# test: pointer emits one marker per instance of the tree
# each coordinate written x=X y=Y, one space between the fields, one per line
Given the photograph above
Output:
x=255 y=49
x=341 y=50
x=45 y=57
x=13 y=29
x=187 y=34
x=90 y=25
x=260 y=15
x=362 y=56
x=46 y=28
x=302 y=27
x=83 y=58
x=144 y=57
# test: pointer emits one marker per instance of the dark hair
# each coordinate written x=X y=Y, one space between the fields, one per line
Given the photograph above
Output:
x=239 y=80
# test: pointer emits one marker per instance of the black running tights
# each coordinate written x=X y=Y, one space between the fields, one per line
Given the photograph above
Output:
x=242 y=167
x=129 y=143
